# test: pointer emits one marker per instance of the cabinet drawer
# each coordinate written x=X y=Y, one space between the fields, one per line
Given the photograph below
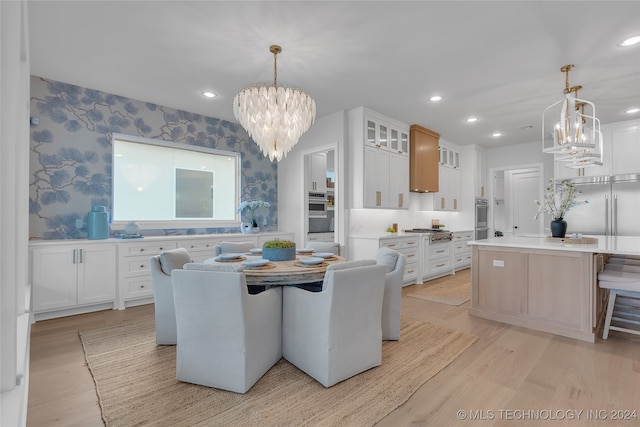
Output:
x=439 y=251
x=398 y=244
x=437 y=265
x=139 y=288
x=462 y=236
x=460 y=247
x=149 y=249
x=199 y=245
x=136 y=266
x=412 y=255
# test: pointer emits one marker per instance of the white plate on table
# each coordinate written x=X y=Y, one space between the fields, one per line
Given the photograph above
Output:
x=256 y=262
x=256 y=250
x=229 y=256
x=323 y=254
x=311 y=260
x=304 y=250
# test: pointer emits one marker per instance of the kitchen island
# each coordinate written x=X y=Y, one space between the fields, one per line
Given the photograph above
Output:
x=544 y=284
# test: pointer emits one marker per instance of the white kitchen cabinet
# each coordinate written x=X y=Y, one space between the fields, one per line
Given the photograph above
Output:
x=379 y=159
x=398 y=181
x=437 y=259
x=134 y=271
x=449 y=157
x=461 y=250
x=317 y=180
x=71 y=278
x=365 y=247
x=480 y=173
x=448 y=196
x=376 y=178
x=624 y=142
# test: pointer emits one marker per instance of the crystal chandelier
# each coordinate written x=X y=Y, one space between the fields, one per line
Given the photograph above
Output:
x=275 y=117
x=577 y=139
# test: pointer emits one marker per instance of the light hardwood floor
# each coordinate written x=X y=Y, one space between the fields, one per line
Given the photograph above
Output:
x=509 y=376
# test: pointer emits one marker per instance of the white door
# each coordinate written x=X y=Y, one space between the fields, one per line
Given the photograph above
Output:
x=525 y=190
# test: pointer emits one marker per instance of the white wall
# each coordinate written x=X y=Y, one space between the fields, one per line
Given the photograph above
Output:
x=326 y=133
x=515 y=156
x=14 y=166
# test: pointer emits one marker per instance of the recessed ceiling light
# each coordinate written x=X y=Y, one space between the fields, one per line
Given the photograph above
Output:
x=472 y=119
x=496 y=134
x=435 y=98
x=631 y=41
x=209 y=94
x=632 y=110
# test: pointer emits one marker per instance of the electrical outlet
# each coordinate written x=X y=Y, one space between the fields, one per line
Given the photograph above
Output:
x=79 y=223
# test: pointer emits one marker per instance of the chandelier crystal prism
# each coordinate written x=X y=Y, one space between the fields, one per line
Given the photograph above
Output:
x=575 y=139
x=274 y=116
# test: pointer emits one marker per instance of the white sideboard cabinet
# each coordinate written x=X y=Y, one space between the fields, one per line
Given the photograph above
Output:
x=80 y=276
x=71 y=277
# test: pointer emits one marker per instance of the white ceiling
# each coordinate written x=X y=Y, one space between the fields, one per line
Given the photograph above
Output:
x=499 y=61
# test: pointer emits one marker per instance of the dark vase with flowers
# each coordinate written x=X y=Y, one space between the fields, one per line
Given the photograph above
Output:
x=558 y=227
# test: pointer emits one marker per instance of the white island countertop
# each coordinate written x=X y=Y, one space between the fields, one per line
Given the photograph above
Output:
x=621 y=245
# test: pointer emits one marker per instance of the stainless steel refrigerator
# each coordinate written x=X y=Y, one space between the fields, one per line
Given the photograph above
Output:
x=613 y=207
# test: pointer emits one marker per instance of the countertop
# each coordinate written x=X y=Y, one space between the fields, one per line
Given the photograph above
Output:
x=621 y=245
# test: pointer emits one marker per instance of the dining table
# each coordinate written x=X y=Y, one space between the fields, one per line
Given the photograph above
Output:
x=281 y=273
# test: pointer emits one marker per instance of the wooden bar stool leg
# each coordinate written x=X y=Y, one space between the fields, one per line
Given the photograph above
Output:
x=607 y=321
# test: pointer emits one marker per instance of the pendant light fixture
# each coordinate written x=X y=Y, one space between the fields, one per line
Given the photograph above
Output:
x=576 y=136
x=274 y=116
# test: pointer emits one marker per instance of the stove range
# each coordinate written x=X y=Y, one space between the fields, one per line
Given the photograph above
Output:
x=436 y=235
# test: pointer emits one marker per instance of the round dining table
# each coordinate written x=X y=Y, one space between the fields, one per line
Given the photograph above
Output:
x=282 y=273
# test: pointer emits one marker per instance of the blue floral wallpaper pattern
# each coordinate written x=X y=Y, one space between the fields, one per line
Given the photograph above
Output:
x=70 y=161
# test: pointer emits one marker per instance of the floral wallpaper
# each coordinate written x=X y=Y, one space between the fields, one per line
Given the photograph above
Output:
x=71 y=156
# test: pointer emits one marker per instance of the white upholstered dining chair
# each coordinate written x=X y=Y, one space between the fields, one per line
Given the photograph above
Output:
x=161 y=266
x=332 y=247
x=232 y=247
x=226 y=338
x=335 y=334
x=394 y=263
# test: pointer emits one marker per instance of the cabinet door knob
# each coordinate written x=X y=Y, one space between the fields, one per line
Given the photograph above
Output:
x=141 y=265
x=161 y=248
x=141 y=249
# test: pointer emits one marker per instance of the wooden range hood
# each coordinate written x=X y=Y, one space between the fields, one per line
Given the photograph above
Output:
x=423 y=160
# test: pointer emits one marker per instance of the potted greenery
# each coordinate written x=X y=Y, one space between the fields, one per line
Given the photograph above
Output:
x=279 y=250
x=558 y=199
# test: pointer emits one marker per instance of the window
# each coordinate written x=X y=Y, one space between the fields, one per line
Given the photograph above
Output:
x=161 y=184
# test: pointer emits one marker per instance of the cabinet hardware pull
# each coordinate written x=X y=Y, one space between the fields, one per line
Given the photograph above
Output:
x=441 y=202
x=141 y=265
x=161 y=248
x=391 y=245
x=455 y=203
x=440 y=265
x=400 y=200
x=74 y=255
x=141 y=286
x=192 y=246
x=141 y=249
x=440 y=251
x=80 y=253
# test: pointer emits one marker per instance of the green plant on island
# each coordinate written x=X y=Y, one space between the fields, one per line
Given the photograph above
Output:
x=279 y=244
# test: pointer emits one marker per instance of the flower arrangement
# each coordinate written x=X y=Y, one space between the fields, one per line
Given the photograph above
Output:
x=252 y=205
x=558 y=199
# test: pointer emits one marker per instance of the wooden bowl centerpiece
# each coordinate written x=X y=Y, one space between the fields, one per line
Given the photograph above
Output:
x=279 y=250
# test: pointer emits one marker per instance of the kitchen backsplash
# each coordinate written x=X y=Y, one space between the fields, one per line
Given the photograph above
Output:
x=70 y=164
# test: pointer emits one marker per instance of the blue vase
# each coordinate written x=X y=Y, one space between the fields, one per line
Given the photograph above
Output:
x=558 y=227
x=98 y=223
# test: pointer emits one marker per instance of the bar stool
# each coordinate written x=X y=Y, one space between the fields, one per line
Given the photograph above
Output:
x=620 y=282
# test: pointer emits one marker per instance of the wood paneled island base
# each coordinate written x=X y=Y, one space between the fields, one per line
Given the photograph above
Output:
x=545 y=290
x=544 y=284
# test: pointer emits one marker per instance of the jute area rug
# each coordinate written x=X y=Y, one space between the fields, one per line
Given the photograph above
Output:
x=445 y=293
x=136 y=383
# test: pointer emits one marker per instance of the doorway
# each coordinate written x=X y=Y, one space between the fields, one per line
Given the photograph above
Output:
x=320 y=184
x=513 y=208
